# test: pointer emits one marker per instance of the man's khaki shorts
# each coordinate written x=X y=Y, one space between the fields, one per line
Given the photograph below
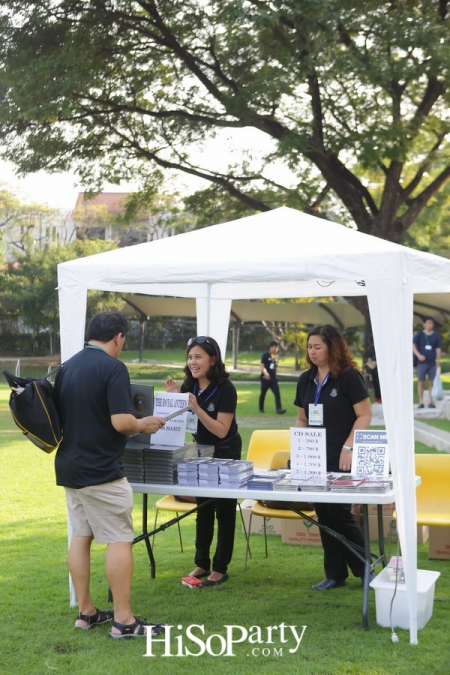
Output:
x=102 y=511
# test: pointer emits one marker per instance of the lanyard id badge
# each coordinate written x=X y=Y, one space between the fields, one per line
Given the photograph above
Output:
x=191 y=422
x=315 y=414
x=315 y=410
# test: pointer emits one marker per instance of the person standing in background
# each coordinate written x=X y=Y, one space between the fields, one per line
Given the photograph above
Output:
x=427 y=347
x=269 y=361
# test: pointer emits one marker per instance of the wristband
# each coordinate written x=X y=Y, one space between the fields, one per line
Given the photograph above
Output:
x=348 y=448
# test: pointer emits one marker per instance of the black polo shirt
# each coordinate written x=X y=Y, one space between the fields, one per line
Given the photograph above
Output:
x=90 y=387
x=224 y=399
x=270 y=364
x=338 y=397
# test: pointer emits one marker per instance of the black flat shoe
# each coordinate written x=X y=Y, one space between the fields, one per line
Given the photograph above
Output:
x=202 y=575
x=328 y=584
x=211 y=582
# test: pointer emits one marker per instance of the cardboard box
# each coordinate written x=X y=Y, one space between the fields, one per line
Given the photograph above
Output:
x=439 y=543
x=387 y=509
x=384 y=593
x=390 y=526
x=300 y=532
x=273 y=525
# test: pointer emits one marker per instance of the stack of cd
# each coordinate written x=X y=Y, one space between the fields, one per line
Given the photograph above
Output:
x=315 y=483
x=208 y=473
x=264 y=479
x=160 y=462
x=133 y=461
x=346 y=484
x=187 y=472
x=287 y=484
x=377 y=484
x=204 y=450
x=235 y=473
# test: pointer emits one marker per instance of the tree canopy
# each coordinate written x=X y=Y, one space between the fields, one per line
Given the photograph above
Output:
x=29 y=285
x=350 y=96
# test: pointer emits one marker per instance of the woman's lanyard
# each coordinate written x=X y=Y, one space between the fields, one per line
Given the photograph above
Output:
x=319 y=387
x=195 y=390
x=315 y=412
x=192 y=419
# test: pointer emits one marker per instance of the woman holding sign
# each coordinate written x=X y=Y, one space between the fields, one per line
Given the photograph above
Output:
x=332 y=395
x=213 y=399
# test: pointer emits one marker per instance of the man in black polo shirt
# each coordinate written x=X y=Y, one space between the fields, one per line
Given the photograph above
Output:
x=269 y=380
x=94 y=400
x=427 y=349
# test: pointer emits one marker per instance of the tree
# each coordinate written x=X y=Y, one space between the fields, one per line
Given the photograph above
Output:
x=29 y=284
x=115 y=88
x=22 y=222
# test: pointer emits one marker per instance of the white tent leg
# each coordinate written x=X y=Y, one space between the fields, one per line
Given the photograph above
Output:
x=213 y=319
x=391 y=311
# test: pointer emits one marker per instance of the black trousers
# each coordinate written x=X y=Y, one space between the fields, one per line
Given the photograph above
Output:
x=337 y=557
x=224 y=510
x=376 y=383
x=265 y=386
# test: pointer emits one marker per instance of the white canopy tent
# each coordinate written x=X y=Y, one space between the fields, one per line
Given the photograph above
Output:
x=284 y=254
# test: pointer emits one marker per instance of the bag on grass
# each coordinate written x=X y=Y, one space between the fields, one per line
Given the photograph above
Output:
x=33 y=408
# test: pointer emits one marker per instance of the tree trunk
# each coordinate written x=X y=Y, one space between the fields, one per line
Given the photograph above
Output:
x=360 y=303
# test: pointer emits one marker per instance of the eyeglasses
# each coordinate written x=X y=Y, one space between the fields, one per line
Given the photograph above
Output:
x=201 y=339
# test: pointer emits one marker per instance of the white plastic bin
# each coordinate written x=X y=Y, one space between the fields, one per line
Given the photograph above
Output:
x=384 y=590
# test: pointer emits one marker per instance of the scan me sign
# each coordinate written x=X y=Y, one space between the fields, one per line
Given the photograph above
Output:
x=193 y=640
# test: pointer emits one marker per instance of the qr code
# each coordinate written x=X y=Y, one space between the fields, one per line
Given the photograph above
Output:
x=371 y=460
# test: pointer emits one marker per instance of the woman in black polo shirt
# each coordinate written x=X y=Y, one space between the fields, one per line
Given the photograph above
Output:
x=213 y=399
x=332 y=394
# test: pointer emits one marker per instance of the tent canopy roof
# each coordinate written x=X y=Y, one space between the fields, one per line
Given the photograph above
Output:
x=436 y=305
x=319 y=258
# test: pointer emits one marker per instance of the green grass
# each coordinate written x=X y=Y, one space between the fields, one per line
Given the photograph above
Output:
x=36 y=630
x=439 y=424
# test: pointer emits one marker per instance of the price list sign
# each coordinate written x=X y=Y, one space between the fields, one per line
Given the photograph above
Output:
x=308 y=451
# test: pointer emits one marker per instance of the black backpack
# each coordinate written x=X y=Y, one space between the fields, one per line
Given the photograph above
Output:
x=32 y=405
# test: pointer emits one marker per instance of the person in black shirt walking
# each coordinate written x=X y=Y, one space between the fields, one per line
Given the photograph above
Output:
x=269 y=361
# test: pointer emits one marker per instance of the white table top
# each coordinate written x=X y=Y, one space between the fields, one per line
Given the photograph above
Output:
x=277 y=495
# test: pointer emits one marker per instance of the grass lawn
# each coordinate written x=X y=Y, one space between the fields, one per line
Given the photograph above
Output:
x=36 y=631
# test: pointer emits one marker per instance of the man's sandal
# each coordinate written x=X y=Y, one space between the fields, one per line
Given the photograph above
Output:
x=129 y=630
x=100 y=617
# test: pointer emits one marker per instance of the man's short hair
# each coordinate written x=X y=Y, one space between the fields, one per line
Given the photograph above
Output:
x=428 y=318
x=106 y=325
x=274 y=343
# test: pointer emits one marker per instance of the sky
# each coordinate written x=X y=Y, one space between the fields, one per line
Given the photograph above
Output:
x=56 y=190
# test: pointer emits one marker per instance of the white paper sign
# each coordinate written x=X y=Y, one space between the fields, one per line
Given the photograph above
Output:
x=174 y=431
x=370 y=453
x=308 y=451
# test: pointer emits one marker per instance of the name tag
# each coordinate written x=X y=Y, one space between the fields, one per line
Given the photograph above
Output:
x=315 y=416
x=272 y=366
x=191 y=422
x=428 y=347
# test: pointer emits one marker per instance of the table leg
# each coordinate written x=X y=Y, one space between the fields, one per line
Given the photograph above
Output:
x=367 y=567
x=151 y=557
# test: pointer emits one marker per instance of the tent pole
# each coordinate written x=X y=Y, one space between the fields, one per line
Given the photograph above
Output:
x=208 y=309
x=141 y=347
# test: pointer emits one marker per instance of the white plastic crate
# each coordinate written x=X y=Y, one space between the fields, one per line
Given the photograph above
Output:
x=384 y=590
